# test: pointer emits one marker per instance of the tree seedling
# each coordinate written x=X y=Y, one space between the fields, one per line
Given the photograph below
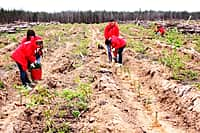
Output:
x=156 y=117
x=156 y=123
x=139 y=89
x=76 y=113
x=1 y=85
x=22 y=92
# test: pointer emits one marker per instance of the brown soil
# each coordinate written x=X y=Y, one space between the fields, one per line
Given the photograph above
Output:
x=138 y=97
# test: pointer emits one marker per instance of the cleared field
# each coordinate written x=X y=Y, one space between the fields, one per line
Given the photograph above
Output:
x=155 y=91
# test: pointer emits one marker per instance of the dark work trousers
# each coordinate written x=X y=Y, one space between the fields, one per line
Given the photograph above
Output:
x=109 y=53
x=23 y=75
x=120 y=50
x=108 y=46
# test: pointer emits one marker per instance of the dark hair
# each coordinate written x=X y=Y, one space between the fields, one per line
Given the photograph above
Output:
x=112 y=20
x=29 y=34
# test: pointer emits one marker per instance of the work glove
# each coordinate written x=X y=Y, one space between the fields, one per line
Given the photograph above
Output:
x=32 y=65
x=113 y=49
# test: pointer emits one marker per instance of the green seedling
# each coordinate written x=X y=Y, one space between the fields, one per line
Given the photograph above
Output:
x=139 y=89
x=1 y=85
x=41 y=97
x=156 y=116
x=197 y=85
x=64 y=128
x=76 y=113
x=51 y=125
x=77 y=100
x=22 y=92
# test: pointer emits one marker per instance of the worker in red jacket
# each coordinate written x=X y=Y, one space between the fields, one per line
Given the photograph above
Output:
x=38 y=52
x=162 y=31
x=110 y=30
x=22 y=55
x=159 y=29
x=117 y=44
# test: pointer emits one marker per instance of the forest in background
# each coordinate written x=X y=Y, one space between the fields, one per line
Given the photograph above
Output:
x=9 y=16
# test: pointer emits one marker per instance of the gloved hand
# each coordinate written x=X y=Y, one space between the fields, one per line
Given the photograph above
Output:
x=32 y=65
x=113 y=49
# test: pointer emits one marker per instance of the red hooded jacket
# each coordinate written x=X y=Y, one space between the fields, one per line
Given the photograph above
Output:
x=25 y=52
x=39 y=49
x=161 y=30
x=111 y=29
x=117 y=43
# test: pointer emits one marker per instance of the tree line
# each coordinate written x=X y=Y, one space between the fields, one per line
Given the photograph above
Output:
x=9 y=16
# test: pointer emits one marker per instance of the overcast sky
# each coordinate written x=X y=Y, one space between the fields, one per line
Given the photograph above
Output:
x=97 y=5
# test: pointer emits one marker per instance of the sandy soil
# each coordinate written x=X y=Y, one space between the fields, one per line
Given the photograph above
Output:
x=138 y=97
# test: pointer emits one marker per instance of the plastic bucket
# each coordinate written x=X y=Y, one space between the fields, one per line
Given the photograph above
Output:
x=36 y=74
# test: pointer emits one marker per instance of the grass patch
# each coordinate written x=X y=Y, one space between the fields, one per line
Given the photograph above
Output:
x=172 y=60
x=42 y=96
x=184 y=75
x=137 y=46
x=175 y=63
x=82 y=47
x=77 y=99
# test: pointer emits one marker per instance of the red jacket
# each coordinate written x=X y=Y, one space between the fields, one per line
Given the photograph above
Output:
x=161 y=30
x=39 y=50
x=117 y=43
x=25 y=53
x=110 y=30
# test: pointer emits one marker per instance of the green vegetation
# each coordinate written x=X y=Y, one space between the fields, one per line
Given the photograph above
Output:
x=82 y=48
x=172 y=60
x=197 y=85
x=76 y=113
x=41 y=97
x=23 y=92
x=174 y=38
x=77 y=99
x=175 y=63
x=137 y=46
x=127 y=29
x=1 y=84
x=75 y=102
x=52 y=127
x=186 y=75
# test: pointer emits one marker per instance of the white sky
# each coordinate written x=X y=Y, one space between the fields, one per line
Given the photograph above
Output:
x=97 y=5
